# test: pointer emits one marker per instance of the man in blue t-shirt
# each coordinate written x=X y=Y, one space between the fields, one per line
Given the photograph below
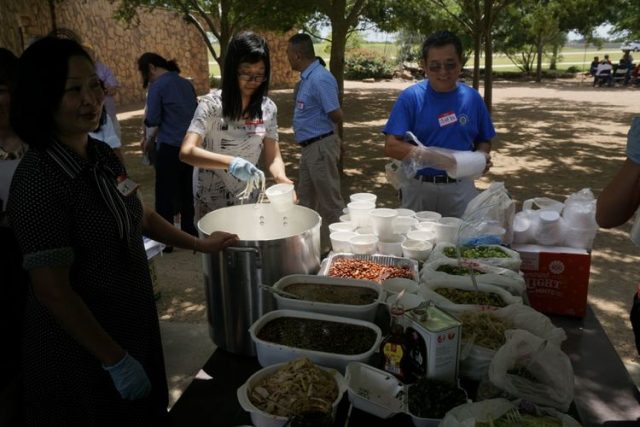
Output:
x=441 y=112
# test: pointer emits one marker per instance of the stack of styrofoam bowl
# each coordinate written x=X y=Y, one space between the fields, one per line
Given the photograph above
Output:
x=341 y=240
x=403 y=224
x=359 y=212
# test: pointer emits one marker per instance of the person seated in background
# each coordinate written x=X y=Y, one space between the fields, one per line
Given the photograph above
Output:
x=626 y=62
x=603 y=73
x=606 y=60
x=594 y=66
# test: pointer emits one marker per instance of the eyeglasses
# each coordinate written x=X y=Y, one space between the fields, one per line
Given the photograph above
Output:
x=448 y=66
x=258 y=78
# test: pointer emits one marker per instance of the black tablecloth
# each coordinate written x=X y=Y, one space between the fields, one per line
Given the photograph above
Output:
x=604 y=392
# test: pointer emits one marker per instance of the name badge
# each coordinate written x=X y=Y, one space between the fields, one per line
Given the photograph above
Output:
x=127 y=187
x=447 y=119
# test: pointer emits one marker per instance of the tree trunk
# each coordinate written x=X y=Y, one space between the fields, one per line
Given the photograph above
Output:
x=488 y=54
x=338 y=46
x=539 y=46
x=477 y=47
x=554 y=58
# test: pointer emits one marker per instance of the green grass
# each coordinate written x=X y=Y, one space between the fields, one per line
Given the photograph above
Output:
x=569 y=56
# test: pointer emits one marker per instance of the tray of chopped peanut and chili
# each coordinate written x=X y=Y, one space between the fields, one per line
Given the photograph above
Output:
x=369 y=267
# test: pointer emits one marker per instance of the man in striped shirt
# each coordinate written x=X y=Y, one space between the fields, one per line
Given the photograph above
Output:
x=317 y=125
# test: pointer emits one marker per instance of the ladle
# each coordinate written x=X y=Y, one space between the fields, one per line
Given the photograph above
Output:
x=280 y=292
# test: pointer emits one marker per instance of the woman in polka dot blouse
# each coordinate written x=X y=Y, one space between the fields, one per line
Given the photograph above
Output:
x=92 y=354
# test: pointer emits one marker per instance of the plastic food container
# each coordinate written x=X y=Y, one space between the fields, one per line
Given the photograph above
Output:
x=380 y=393
x=362 y=312
x=271 y=353
x=262 y=419
x=280 y=196
x=388 y=260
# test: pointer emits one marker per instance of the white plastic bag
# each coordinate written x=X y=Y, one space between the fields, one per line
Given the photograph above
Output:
x=493 y=204
x=512 y=260
x=469 y=414
x=487 y=274
x=554 y=384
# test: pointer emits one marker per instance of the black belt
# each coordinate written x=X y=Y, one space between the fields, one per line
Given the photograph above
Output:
x=435 y=179
x=314 y=139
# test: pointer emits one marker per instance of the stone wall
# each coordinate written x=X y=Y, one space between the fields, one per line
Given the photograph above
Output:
x=119 y=46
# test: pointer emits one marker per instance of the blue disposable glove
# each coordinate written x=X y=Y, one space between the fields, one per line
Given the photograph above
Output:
x=633 y=141
x=130 y=379
x=244 y=170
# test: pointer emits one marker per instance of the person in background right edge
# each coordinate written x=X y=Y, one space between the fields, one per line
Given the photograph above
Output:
x=620 y=199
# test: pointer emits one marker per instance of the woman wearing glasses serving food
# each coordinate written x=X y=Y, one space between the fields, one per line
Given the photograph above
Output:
x=441 y=112
x=232 y=126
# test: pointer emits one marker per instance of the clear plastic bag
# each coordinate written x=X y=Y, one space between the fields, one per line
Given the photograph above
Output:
x=553 y=382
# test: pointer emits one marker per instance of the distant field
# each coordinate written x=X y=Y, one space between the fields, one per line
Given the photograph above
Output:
x=570 y=56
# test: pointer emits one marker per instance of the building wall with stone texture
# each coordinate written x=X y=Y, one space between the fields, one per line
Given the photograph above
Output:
x=119 y=46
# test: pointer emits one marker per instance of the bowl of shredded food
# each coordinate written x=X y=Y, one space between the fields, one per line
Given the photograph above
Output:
x=294 y=391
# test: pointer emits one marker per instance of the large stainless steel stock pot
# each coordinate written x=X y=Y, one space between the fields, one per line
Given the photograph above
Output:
x=272 y=245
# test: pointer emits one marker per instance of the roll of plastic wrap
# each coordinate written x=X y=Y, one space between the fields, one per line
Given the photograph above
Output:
x=468 y=164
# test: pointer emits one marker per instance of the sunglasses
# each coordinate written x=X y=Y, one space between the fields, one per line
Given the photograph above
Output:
x=448 y=66
x=258 y=78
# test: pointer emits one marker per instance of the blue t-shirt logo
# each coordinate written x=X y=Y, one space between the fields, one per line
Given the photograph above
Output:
x=463 y=119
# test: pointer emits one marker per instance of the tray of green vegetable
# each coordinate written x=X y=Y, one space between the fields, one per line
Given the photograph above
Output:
x=495 y=255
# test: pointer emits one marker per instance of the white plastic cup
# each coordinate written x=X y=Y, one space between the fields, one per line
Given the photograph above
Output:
x=428 y=216
x=363 y=197
x=364 y=244
x=392 y=245
x=382 y=222
x=359 y=212
x=341 y=241
x=522 y=228
x=403 y=224
x=280 y=196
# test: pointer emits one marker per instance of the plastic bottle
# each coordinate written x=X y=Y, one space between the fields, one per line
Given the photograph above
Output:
x=393 y=348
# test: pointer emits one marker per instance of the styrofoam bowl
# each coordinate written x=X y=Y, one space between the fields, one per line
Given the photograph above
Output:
x=363 y=197
x=427 y=226
x=428 y=216
x=345 y=218
x=341 y=240
x=421 y=236
x=364 y=244
x=403 y=224
x=260 y=418
x=406 y=212
x=360 y=211
x=363 y=312
x=396 y=285
x=341 y=226
x=364 y=230
x=392 y=245
x=270 y=353
x=419 y=251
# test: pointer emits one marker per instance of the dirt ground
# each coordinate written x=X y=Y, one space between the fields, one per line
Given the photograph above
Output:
x=554 y=138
